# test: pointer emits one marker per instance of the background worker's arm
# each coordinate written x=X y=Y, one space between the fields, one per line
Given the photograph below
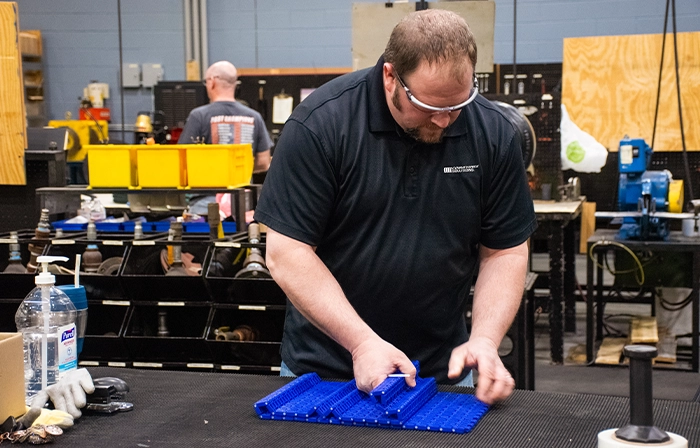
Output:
x=317 y=295
x=262 y=161
x=497 y=295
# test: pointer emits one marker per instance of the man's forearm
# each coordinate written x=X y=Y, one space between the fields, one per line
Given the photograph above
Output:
x=314 y=291
x=262 y=162
x=498 y=291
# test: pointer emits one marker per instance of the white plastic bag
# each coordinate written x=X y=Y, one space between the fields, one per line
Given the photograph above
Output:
x=579 y=150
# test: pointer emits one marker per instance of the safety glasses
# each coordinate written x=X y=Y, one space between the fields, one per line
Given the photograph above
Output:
x=438 y=110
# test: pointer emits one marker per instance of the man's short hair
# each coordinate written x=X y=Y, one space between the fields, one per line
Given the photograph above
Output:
x=432 y=35
x=225 y=71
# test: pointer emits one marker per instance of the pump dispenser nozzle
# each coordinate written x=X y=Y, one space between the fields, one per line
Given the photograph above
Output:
x=45 y=277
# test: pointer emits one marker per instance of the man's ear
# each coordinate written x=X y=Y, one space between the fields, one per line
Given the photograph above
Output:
x=389 y=78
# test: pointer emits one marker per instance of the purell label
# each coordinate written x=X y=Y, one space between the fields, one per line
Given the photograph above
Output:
x=67 y=350
x=68 y=334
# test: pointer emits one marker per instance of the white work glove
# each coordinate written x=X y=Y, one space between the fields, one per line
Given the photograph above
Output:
x=68 y=394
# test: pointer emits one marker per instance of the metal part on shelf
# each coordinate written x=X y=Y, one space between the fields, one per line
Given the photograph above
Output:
x=175 y=267
x=92 y=259
x=15 y=265
x=40 y=240
x=163 y=324
x=254 y=265
x=110 y=266
x=138 y=230
x=571 y=191
x=91 y=231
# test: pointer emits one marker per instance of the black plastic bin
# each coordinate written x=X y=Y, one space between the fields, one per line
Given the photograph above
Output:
x=184 y=342
x=106 y=324
x=15 y=285
x=262 y=353
x=8 y=308
x=144 y=279
x=98 y=286
x=222 y=267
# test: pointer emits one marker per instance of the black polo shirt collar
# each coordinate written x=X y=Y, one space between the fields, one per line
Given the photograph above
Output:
x=380 y=118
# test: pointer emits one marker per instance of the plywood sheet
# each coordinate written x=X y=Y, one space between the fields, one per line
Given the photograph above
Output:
x=13 y=137
x=610 y=351
x=609 y=87
x=587 y=225
x=372 y=24
x=643 y=330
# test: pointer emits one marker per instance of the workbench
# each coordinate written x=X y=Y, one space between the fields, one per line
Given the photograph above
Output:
x=188 y=409
x=677 y=243
x=557 y=218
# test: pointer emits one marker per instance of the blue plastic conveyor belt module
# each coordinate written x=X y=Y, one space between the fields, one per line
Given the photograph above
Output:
x=392 y=404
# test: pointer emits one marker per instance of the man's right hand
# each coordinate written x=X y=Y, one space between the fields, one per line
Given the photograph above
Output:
x=375 y=359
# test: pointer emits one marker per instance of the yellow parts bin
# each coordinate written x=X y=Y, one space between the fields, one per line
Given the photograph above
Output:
x=170 y=166
x=214 y=166
x=84 y=133
x=161 y=166
x=112 y=166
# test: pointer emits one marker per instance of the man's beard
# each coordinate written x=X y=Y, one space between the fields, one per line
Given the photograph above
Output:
x=415 y=132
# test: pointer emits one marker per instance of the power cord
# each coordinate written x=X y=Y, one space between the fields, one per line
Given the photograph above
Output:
x=674 y=306
x=686 y=167
x=639 y=278
x=103 y=139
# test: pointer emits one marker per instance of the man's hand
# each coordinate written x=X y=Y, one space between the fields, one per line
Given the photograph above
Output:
x=495 y=382
x=375 y=359
x=68 y=394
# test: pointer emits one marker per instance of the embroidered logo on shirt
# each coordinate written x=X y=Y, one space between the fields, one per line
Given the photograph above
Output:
x=460 y=169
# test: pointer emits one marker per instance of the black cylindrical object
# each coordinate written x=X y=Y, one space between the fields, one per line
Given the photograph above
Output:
x=640 y=356
x=641 y=428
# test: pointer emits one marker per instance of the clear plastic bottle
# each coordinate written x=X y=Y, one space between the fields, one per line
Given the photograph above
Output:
x=46 y=319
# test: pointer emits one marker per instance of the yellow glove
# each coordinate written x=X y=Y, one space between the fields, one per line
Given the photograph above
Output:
x=61 y=419
x=37 y=416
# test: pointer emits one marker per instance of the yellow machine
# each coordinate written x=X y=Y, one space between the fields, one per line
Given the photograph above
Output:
x=82 y=133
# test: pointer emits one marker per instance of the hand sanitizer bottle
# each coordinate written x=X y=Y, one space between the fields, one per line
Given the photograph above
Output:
x=46 y=319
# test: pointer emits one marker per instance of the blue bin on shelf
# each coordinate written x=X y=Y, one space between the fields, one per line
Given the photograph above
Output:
x=108 y=226
x=69 y=227
x=203 y=227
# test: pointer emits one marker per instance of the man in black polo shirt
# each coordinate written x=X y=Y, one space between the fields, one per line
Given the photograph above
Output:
x=389 y=187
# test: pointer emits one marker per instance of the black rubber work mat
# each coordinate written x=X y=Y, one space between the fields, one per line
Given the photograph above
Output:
x=187 y=409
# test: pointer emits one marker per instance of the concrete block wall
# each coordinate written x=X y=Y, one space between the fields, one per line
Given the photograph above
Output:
x=81 y=37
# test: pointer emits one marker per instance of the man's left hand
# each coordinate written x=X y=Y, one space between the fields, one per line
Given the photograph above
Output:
x=480 y=353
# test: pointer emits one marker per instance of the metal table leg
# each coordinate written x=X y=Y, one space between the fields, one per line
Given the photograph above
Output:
x=600 y=307
x=569 y=278
x=556 y=288
x=590 y=337
x=696 y=312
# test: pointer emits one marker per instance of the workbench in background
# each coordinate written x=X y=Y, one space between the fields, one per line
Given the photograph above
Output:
x=676 y=245
x=557 y=220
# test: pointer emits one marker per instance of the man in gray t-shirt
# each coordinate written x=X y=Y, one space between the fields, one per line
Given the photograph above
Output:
x=225 y=121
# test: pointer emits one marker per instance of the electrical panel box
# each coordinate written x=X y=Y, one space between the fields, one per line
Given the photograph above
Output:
x=131 y=75
x=152 y=74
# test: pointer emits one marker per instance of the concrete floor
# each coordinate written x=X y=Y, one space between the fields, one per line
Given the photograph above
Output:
x=577 y=377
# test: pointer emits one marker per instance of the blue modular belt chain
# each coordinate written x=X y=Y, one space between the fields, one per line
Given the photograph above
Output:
x=392 y=404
